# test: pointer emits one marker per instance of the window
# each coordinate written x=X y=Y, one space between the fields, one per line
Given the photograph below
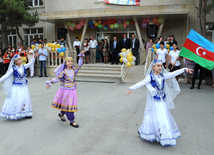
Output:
x=11 y=36
x=29 y=34
x=36 y=3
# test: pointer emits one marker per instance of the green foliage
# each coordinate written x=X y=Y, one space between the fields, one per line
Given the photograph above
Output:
x=209 y=7
x=15 y=13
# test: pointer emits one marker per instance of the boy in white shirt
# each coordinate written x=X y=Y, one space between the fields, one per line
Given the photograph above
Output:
x=162 y=54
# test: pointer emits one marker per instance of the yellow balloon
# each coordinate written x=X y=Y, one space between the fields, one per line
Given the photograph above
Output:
x=153 y=46
x=168 y=50
x=167 y=46
x=155 y=50
x=32 y=46
x=121 y=60
x=130 y=58
x=62 y=54
x=121 y=55
x=53 y=49
x=39 y=45
x=129 y=54
x=53 y=45
x=58 y=46
x=49 y=44
x=123 y=50
x=128 y=64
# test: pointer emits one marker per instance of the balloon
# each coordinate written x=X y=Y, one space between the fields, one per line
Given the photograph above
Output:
x=127 y=22
x=109 y=21
x=129 y=54
x=63 y=49
x=53 y=45
x=62 y=46
x=92 y=26
x=132 y=23
x=82 y=23
x=121 y=25
x=121 y=59
x=58 y=45
x=145 y=21
x=130 y=58
x=94 y=21
x=32 y=46
x=39 y=45
x=104 y=28
x=73 y=25
x=90 y=23
x=160 y=20
x=34 y=49
x=123 y=50
x=155 y=20
x=96 y=24
x=171 y=48
x=49 y=48
x=125 y=25
x=79 y=26
x=124 y=21
x=59 y=50
x=52 y=49
x=71 y=28
x=120 y=54
x=114 y=21
x=133 y=63
x=100 y=26
x=68 y=24
x=116 y=25
x=167 y=46
x=168 y=50
x=105 y=22
x=62 y=54
x=124 y=54
x=119 y=21
x=153 y=46
x=134 y=58
x=157 y=46
x=153 y=50
x=128 y=64
x=148 y=20
x=37 y=48
x=111 y=26
x=125 y=60
x=164 y=46
x=144 y=25
x=99 y=21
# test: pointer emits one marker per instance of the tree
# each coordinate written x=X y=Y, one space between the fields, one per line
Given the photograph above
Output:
x=14 y=14
x=204 y=8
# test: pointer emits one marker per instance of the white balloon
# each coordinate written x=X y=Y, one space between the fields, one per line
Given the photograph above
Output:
x=37 y=48
x=62 y=46
x=128 y=51
x=55 y=42
x=124 y=54
x=94 y=21
x=56 y=49
x=34 y=49
x=134 y=58
x=37 y=45
x=133 y=63
x=49 y=48
x=125 y=60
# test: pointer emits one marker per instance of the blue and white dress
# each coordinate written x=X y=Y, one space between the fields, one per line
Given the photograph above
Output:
x=158 y=123
x=19 y=104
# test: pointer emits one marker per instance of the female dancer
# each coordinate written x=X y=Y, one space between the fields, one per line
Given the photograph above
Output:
x=18 y=102
x=66 y=97
x=158 y=123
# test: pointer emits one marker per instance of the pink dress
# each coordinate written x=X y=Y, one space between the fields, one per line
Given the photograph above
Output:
x=66 y=97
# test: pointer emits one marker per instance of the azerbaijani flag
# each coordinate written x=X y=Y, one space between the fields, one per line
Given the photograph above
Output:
x=198 y=49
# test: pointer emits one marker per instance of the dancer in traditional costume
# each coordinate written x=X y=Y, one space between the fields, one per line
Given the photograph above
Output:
x=17 y=104
x=158 y=123
x=66 y=97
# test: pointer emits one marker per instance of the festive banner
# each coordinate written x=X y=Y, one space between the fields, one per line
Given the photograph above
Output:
x=123 y=2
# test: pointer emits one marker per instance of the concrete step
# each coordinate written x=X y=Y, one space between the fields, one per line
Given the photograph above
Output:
x=100 y=68
x=102 y=65
x=98 y=75
x=99 y=72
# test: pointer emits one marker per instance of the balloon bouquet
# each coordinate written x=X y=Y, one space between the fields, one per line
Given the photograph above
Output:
x=127 y=57
x=155 y=47
x=51 y=47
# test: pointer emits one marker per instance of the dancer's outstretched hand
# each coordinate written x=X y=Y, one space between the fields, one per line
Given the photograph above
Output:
x=48 y=87
x=188 y=70
x=129 y=92
x=82 y=52
x=36 y=54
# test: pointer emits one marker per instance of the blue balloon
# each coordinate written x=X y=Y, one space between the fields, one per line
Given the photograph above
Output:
x=171 y=48
x=59 y=50
x=157 y=46
x=90 y=23
x=165 y=46
x=63 y=49
x=153 y=50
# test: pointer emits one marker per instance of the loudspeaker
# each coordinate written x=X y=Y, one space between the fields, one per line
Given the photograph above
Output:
x=152 y=31
x=62 y=33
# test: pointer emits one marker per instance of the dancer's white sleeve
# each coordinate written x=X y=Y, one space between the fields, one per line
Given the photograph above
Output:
x=175 y=73
x=141 y=83
x=6 y=75
x=30 y=63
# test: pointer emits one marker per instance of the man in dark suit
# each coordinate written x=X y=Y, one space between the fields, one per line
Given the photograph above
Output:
x=135 y=44
x=115 y=49
x=125 y=42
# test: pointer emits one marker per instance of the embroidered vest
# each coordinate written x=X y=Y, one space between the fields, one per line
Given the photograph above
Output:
x=160 y=89
x=18 y=79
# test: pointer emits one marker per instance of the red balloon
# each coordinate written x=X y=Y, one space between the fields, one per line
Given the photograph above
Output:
x=155 y=20
x=109 y=21
x=99 y=21
x=125 y=25
x=114 y=21
x=105 y=22
x=132 y=22
x=124 y=21
x=145 y=21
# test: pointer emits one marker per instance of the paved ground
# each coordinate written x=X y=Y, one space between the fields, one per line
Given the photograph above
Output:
x=108 y=121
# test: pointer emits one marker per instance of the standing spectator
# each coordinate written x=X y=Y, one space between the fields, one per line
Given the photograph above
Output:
x=149 y=44
x=93 y=44
x=13 y=50
x=196 y=69
x=157 y=40
x=98 y=51
x=62 y=42
x=6 y=60
x=45 y=41
x=39 y=41
x=86 y=48
x=42 y=60
x=174 y=60
x=105 y=51
x=9 y=46
x=189 y=64
x=115 y=50
x=77 y=45
x=173 y=41
x=17 y=51
x=135 y=46
x=33 y=42
x=23 y=51
x=30 y=55
x=24 y=59
x=125 y=42
x=19 y=46
x=1 y=62
x=162 y=54
x=168 y=40
x=10 y=52
x=101 y=50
